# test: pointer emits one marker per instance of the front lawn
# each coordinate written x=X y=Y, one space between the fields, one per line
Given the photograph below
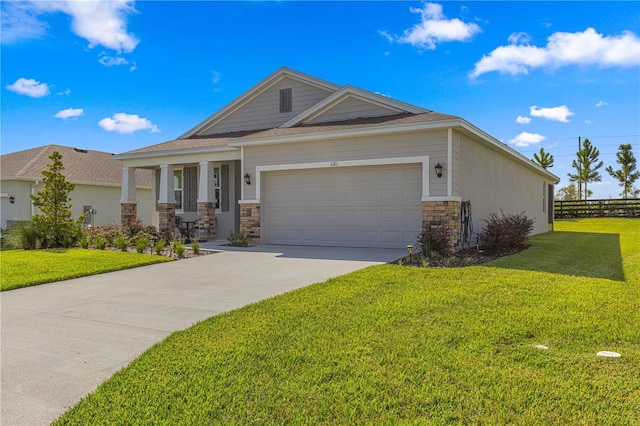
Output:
x=22 y=268
x=391 y=344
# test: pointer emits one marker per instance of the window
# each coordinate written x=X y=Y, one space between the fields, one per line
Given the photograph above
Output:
x=177 y=188
x=285 y=100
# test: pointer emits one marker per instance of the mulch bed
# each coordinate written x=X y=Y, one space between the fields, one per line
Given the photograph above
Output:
x=466 y=257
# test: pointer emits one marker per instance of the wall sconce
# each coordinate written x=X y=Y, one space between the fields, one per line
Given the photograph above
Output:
x=247 y=179
x=12 y=199
x=438 y=168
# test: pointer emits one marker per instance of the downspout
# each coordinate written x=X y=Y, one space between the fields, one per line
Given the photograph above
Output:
x=33 y=192
x=241 y=173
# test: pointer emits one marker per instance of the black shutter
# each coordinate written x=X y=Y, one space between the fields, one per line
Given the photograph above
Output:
x=225 y=188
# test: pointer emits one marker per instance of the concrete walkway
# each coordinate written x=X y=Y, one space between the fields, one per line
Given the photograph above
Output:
x=60 y=341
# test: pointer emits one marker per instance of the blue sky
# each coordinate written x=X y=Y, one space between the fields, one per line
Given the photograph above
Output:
x=119 y=75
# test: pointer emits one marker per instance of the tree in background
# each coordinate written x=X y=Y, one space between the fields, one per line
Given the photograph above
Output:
x=543 y=159
x=567 y=193
x=586 y=165
x=55 y=222
x=627 y=175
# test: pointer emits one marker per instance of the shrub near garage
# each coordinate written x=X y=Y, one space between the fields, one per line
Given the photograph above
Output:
x=505 y=233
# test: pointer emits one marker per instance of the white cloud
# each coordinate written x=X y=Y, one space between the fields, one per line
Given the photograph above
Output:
x=20 y=22
x=215 y=77
x=601 y=103
x=562 y=49
x=29 y=87
x=559 y=113
x=100 y=22
x=64 y=93
x=109 y=61
x=434 y=28
x=127 y=123
x=69 y=113
x=519 y=38
x=527 y=139
x=523 y=120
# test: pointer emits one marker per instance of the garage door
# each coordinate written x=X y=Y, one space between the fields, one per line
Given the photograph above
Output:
x=372 y=206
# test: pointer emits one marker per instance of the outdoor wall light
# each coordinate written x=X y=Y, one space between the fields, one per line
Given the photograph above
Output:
x=12 y=199
x=247 y=179
x=438 y=168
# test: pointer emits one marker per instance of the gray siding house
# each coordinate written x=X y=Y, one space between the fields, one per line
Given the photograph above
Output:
x=299 y=160
x=97 y=176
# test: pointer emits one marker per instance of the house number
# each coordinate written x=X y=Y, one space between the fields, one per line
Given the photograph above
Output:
x=334 y=164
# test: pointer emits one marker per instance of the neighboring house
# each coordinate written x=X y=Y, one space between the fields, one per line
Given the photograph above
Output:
x=298 y=160
x=97 y=176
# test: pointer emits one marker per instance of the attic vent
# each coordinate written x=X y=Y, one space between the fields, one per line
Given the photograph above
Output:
x=83 y=151
x=285 y=100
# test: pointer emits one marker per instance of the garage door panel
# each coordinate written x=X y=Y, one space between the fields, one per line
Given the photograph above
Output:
x=373 y=206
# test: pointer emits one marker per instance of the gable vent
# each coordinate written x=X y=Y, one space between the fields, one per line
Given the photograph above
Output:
x=285 y=100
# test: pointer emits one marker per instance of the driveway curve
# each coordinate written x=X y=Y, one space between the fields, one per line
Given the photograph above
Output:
x=59 y=341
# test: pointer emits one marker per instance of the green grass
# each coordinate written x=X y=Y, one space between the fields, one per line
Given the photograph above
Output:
x=391 y=344
x=23 y=268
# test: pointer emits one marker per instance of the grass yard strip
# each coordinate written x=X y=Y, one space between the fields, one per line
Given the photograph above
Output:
x=391 y=344
x=23 y=268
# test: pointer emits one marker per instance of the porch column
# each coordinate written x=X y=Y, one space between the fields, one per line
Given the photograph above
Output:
x=206 y=203
x=166 y=201
x=128 y=205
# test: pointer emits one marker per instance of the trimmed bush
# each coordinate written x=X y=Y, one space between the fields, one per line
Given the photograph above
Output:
x=100 y=243
x=159 y=246
x=195 y=246
x=178 y=248
x=142 y=244
x=505 y=233
x=121 y=243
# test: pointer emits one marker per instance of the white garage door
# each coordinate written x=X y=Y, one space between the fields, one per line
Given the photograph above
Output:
x=372 y=206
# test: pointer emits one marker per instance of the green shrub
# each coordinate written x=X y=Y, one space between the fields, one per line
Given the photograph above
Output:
x=25 y=236
x=84 y=243
x=142 y=244
x=505 y=233
x=121 y=243
x=100 y=243
x=178 y=248
x=433 y=241
x=238 y=239
x=195 y=246
x=158 y=247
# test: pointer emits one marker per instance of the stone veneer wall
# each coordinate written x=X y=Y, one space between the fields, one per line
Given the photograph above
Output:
x=443 y=215
x=207 y=221
x=167 y=218
x=250 y=221
x=128 y=214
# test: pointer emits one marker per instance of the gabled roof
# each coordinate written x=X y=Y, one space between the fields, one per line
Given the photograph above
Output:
x=256 y=90
x=351 y=92
x=81 y=166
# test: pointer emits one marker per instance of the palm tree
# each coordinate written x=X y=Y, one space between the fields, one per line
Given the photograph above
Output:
x=627 y=174
x=544 y=159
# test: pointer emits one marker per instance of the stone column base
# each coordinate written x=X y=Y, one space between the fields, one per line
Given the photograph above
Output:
x=128 y=214
x=443 y=215
x=167 y=218
x=207 y=221
x=250 y=221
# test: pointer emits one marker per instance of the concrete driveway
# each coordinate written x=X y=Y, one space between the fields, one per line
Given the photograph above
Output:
x=60 y=341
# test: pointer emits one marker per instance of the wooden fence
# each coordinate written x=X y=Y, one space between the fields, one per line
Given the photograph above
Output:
x=597 y=208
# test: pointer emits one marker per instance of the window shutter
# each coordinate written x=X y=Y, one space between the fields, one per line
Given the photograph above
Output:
x=190 y=188
x=225 y=188
x=157 y=187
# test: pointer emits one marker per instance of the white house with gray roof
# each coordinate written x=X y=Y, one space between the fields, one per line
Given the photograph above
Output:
x=299 y=160
x=97 y=176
